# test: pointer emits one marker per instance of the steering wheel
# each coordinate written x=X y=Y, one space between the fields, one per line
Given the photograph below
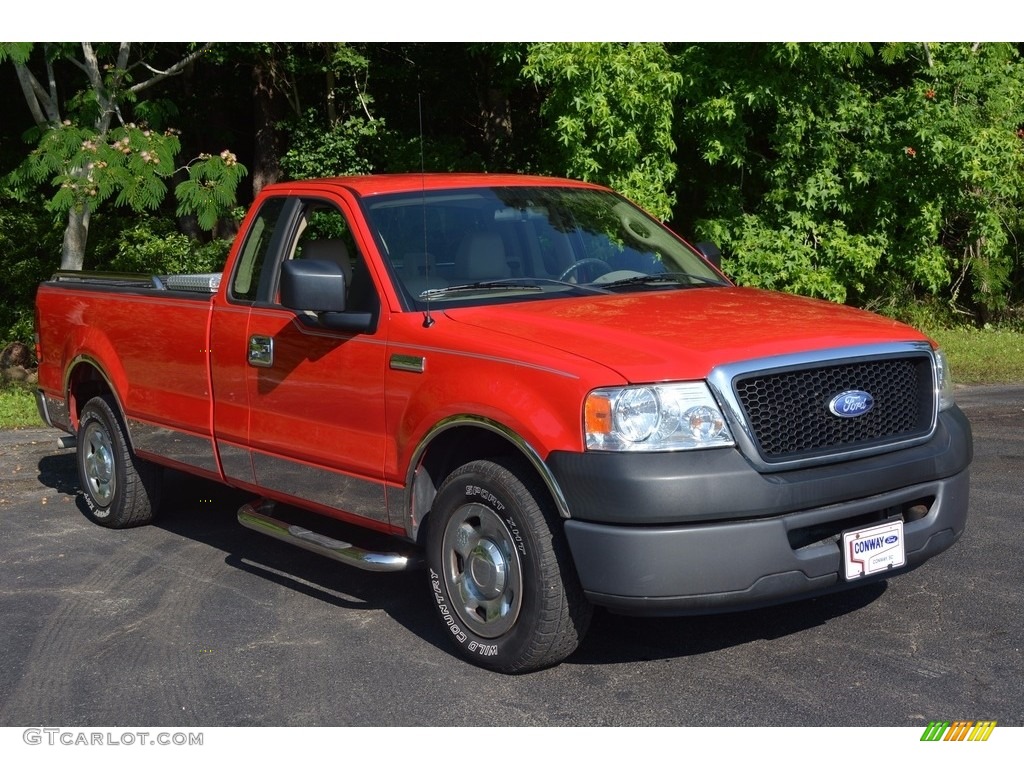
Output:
x=577 y=264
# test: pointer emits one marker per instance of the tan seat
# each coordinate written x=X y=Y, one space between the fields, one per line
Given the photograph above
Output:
x=329 y=250
x=481 y=256
x=418 y=274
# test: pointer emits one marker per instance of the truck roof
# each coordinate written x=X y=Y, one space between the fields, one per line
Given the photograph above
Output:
x=414 y=182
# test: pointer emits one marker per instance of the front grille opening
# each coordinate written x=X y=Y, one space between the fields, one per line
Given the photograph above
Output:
x=788 y=411
x=829 y=534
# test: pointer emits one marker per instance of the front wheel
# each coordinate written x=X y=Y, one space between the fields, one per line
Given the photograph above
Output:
x=120 y=489
x=500 y=570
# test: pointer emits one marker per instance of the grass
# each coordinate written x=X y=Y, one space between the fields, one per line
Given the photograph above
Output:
x=18 y=407
x=983 y=355
x=977 y=356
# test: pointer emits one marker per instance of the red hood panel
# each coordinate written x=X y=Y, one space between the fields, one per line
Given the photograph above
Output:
x=682 y=334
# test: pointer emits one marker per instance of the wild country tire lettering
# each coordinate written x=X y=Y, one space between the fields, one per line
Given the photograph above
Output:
x=454 y=628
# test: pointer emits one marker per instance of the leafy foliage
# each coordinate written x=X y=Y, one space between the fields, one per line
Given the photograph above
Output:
x=851 y=176
x=29 y=238
x=209 y=193
x=336 y=149
x=965 y=127
x=888 y=175
x=610 y=106
x=90 y=153
x=131 y=165
x=153 y=245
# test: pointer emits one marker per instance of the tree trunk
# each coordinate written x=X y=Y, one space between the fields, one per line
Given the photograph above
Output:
x=496 y=116
x=76 y=234
x=266 y=155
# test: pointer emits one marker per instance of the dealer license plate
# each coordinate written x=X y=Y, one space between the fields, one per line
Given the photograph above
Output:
x=868 y=551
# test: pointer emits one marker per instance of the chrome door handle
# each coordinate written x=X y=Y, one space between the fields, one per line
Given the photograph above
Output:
x=261 y=351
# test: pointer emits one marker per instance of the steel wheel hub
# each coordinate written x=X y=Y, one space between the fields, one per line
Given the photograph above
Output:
x=487 y=570
x=99 y=464
x=482 y=570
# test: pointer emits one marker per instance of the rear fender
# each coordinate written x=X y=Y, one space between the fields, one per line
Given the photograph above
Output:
x=94 y=369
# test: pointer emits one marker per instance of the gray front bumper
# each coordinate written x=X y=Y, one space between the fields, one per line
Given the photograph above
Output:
x=712 y=567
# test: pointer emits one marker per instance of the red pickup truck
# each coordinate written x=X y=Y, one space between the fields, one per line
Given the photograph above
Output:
x=526 y=386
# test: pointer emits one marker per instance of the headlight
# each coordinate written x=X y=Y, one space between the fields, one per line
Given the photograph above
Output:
x=658 y=417
x=943 y=380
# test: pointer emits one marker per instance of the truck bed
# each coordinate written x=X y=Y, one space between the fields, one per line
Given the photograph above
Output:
x=149 y=335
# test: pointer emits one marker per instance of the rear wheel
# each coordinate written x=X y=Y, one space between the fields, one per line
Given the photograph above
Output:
x=120 y=489
x=500 y=570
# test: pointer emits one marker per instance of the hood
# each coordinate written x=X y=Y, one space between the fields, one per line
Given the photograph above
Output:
x=683 y=334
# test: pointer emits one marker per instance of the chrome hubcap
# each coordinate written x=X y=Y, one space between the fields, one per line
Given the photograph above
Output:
x=99 y=464
x=482 y=570
x=487 y=570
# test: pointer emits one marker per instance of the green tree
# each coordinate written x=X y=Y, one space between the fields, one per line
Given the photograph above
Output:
x=25 y=230
x=964 y=120
x=609 y=107
x=91 y=151
x=338 y=134
x=859 y=175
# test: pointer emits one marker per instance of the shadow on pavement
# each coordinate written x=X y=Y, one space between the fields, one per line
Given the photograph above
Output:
x=205 y=512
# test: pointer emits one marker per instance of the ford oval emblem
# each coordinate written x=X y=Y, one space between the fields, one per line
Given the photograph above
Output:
x=850 y=404
x=892 y=539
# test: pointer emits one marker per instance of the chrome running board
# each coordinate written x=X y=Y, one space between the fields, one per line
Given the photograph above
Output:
x=254 y=516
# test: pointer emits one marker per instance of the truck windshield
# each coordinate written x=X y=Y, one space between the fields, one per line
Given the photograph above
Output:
x=484 y=245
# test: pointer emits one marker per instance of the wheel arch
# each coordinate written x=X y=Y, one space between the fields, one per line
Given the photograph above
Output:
x=92 y=366
x=458 y=440
x=84 y=380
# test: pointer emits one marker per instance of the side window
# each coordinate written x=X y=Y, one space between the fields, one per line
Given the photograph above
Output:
x=325 y=234
x=246 y=282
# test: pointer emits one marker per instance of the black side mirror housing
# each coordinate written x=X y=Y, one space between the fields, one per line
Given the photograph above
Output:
x=312 y=285
x=711 y=252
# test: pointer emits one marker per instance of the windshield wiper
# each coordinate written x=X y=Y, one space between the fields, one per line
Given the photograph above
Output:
x=532 y=284
x=682 y=279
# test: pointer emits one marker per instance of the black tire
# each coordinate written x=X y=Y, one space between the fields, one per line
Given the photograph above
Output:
x=120 y=489
x=500 y=570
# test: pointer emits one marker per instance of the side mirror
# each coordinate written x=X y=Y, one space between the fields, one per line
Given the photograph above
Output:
x=312 y=285
x=711 y=252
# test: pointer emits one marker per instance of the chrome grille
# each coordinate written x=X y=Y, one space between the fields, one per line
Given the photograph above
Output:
x=788 y=410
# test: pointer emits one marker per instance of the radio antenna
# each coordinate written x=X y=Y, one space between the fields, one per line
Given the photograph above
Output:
x=428 y=319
